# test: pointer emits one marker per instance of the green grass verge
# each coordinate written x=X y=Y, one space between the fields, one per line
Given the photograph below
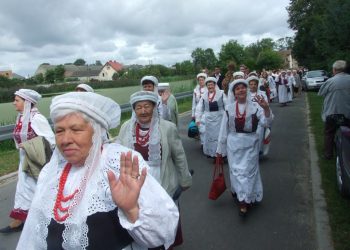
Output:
x=9 y=155
x=337 y=206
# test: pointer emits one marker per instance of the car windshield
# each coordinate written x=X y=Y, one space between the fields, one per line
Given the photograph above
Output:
x=318 y=73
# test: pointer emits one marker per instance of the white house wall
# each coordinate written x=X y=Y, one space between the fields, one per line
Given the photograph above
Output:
x=106 y=73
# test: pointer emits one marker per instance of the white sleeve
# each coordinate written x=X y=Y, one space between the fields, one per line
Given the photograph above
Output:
x=194 y=104
x=158 y=215
x=263 y=120
x=222 y=139
x=165 y=112
x=42 y=128
x=199 y=110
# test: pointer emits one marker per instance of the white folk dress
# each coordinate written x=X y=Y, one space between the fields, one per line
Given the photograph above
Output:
x=38 y=126
x=241 y=144
x=213 y=108
x=198 y=92
x=283 y=90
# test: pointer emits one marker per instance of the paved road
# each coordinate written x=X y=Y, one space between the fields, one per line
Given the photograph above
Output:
x=284 y=219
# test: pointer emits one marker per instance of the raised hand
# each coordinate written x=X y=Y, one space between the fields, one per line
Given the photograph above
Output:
x=261 y=101
x=126 y=189
x=165 y=96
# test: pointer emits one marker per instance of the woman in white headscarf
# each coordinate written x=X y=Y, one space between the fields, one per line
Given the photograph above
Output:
x=283 y=88
x=198 y=92
x=29 y=124
x=240 y=142
x=212 y=106
x=159 y=143
x=253 y=83
x=79 y=202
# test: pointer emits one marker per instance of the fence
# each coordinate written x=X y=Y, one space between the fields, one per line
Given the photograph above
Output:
x=6 y=131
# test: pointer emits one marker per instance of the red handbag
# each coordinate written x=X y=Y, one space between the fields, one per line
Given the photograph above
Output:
x=218 y=185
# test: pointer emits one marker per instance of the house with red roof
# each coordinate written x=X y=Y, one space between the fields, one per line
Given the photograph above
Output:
x=109 y=69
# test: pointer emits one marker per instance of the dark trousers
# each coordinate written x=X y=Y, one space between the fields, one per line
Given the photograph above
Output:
x=330 y=129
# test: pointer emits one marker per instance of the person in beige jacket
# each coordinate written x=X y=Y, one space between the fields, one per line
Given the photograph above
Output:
x=159 y=143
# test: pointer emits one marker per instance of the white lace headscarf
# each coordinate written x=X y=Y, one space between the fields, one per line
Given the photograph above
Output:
x=154 y=149
x=214 y=80
x=152 y=79
x=231 y=95
x=103 y=114
x=30 y=97
x=85 y=87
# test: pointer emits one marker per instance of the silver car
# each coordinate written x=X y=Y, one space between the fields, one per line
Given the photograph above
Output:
x=314 y=79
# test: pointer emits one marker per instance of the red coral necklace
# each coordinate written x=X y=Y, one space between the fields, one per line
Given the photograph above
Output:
x=58 y=208
x=141 y=140
x=240 y=116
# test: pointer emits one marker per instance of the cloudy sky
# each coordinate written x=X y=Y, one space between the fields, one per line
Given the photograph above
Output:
x=136 y=31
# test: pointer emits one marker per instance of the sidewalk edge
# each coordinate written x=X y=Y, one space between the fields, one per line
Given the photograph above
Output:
x=323 y=230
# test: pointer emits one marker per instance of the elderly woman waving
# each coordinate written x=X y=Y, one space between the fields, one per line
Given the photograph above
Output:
x=239 y=140
x=94 y=194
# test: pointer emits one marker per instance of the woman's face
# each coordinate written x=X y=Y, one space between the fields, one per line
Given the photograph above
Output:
x=240 y=93
x=19 y=104
x=148 y=86
x=253 y=86
x=211 y=87
x=201 y=81
x=74 y=138
x=144 y=111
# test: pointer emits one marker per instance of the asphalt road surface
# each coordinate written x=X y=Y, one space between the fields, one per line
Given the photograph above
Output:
x=283 y=220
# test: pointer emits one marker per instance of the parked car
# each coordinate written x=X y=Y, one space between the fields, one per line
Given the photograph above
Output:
x=314 y=79
x=342 y=142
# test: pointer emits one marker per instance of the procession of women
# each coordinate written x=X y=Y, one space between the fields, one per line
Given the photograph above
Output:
x=92 y=191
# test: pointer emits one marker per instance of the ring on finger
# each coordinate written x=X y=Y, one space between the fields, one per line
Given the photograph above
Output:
x=135 y=176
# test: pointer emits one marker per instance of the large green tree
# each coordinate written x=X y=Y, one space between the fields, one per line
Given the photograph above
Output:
x=59 y=73
x=232 y=51
x=321 y=31
x=79 y=62
x=269 y=59
x=204 y=58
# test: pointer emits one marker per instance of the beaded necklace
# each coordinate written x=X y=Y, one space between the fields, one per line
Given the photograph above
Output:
x=141 y=140
x=58 y=208
x=240 y=116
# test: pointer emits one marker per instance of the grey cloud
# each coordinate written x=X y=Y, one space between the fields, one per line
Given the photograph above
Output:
x=167 y=31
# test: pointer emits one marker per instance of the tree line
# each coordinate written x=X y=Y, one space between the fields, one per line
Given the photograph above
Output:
x=322 y=31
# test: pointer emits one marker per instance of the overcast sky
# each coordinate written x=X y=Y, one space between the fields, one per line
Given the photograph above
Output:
x=131 y=32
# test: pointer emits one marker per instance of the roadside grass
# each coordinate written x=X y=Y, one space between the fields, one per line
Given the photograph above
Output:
x=9 y=155
x=338 y=207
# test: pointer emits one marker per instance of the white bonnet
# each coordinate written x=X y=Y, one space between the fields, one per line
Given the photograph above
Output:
x=163 y=85
x=253 y=73
x=210 y=79
x=252 y=78
x=204 y=75
x=85 y=87
x=152 y=79
x=143 y=96
x=238 y=81
x=238 y=73
x=29 y=95
x=100 y=108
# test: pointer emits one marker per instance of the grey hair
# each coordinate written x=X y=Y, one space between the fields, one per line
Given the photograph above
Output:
x=60 y=114
x=339 y=65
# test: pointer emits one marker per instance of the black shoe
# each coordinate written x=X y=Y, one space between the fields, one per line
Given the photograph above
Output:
x=242 y=212
x=8 y=229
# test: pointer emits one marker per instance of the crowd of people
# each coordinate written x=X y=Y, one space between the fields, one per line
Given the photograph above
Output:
x=96 y=191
